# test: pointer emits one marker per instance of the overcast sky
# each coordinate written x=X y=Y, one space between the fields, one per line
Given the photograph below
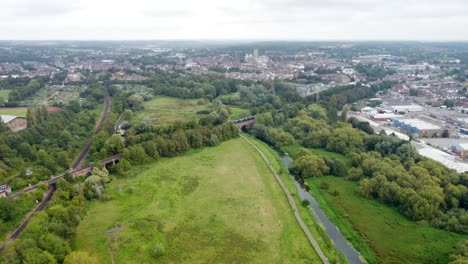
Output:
x=234 y=19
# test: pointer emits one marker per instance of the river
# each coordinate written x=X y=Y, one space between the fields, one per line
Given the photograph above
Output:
x=340 y=242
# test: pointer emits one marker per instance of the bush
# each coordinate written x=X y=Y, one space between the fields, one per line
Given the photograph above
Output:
x=324 y=185
x=305 y=203
x=157 y=251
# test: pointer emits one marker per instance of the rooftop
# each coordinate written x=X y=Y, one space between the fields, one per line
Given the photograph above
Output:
x=419 y=124
x=444 y=158
x=7 y=118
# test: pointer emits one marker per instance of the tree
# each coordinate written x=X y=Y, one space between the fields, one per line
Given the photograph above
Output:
x=317 y=112
x=114 y=145
x=413 y=92
x=55 y=245
x=344 y=140
x=449 y=103
x=344 y=114
x=135 y=102
x=445 y=133
x=309 y=166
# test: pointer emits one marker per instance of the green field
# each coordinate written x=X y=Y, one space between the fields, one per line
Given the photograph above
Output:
x=163 y=110
x=212 y=205
x=316 y=229
x=238 y=113
x=4 y=94
x=375 y=227
x=17 y=111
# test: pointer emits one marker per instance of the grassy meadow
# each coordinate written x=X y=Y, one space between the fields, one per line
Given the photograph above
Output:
x=238 y=113
x=378 y=231
x=316 y=230
x=213 y=205
x=16 y=111
x=162 y=109
x=4 y=94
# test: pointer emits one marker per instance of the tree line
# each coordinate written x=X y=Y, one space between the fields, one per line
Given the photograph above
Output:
x=387 y=168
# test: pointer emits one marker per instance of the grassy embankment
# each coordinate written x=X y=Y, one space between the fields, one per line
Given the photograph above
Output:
x=162 y=109
x=317 y=231
x=212 y=205
x=378 y=231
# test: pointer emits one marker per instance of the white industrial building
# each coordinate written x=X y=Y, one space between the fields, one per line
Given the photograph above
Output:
x=406 y=108
x=417 y=126
x=444 y=158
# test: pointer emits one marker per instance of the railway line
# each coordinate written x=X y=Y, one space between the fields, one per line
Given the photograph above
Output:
x=51 y=182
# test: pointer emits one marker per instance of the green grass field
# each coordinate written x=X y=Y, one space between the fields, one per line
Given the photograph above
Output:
x=17 y=111
x=237 y=112
x=213 y=205
x=317 y=231
x=162 y=110
x=4 y=94
x=380 y=232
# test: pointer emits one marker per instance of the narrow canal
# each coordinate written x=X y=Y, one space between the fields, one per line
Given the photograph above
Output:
x=340 y=242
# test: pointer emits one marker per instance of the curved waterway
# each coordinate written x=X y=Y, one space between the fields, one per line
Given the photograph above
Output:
x=340 y=242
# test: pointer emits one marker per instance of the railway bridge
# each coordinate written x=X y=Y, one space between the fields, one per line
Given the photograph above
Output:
x=248 y=121
x=244 y=122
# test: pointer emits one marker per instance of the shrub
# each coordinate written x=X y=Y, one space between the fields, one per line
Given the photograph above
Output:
x=157 y=251
x=324 y=185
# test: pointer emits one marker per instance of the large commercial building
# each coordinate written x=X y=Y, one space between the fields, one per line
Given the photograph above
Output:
x=418 y=127
x=406 y=108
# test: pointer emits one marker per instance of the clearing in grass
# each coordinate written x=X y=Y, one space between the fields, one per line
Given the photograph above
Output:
x=163 y=110
x=212 y=205
x=378 y=231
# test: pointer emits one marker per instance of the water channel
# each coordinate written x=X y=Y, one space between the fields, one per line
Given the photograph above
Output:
x=340 y=242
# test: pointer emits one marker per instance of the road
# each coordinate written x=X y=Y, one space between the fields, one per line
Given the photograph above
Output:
x=298 y=217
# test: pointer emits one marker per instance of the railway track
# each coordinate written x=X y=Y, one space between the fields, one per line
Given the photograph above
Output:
x=75 y=166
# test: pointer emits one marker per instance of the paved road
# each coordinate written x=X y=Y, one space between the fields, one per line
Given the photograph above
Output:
x=312 y=241
x=341 y=243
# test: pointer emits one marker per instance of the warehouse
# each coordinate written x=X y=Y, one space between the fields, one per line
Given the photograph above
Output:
x=406 y=108
x=418 y=127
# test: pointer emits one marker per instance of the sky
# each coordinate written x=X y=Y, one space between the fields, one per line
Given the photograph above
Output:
x=430 y=20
